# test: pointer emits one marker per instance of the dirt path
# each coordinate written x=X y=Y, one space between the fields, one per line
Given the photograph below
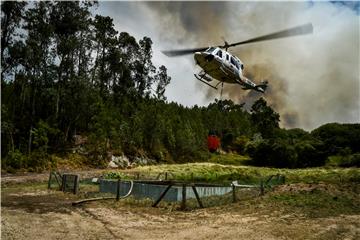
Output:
x=41 y=177
x=33 y=212
x=93 y=222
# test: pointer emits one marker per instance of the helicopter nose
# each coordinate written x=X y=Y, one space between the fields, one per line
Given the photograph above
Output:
x=203 y=57
x=198 y=57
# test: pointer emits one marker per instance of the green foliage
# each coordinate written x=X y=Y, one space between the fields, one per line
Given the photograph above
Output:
x=229 y=159
x=41 y=135
x=239 y=144
x=38 y=161
x=275 y=154
x=280 y=153
x=310 y=154
x=116 y=175
x=14 y=159
x=339 y=136
x=265 y=118
x=349 y=160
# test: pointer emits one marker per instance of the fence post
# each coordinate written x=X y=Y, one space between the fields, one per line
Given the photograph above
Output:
x=197 y=196
x=233 y=193
x=49 y=182
x=183 y=200
x=63 y=183
x=261 y=187
x=118 y=190
x=162 y=195
x=76 y=184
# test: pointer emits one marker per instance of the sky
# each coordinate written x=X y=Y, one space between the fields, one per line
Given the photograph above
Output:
x=313 y=79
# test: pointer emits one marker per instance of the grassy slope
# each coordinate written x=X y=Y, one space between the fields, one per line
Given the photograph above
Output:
x=212 y=172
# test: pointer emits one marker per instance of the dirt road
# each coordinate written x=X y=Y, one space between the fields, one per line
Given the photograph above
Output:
x=42 y=177
x=33 y=212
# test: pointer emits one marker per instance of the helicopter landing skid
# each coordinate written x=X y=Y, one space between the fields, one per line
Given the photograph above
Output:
x=201 y=80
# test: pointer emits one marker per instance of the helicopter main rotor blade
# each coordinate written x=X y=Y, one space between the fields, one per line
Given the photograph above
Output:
x=299 y=30
x=180 y=52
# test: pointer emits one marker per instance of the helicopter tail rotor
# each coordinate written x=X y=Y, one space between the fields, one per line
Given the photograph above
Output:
x=262 y=87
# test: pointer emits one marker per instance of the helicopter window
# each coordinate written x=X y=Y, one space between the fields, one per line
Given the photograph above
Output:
x=227 y=57
x=211 y=49
x=233 y=62
x=219 y=53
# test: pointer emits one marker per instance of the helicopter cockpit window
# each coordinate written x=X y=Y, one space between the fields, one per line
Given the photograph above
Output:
x=210 y=50
x=219 y=53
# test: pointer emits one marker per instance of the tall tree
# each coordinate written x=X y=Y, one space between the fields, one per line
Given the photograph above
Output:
x=144 y=68
x=11 y=15
x=105 y=38
x=264 y=118
x=162 y=80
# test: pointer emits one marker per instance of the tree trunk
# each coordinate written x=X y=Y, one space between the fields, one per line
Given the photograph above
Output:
x=30 y=140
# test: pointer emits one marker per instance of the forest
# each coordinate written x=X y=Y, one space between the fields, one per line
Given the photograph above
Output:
x=67 y=74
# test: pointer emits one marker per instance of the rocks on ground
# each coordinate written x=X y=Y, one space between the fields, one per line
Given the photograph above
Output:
x=124 y=162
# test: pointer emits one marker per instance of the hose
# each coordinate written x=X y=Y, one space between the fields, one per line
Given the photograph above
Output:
x=105 y=198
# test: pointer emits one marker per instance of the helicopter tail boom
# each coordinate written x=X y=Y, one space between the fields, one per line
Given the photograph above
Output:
x=247 y=85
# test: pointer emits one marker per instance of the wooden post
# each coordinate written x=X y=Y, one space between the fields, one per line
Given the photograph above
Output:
x=197 y=196
x=63 y=183
x=183 y=200
x=234 y=193
x=162 y=195
x=57 y=179
x=166 y=175
x=49 y=182
x=118 y=190
x=261 y=187
x=76 y=184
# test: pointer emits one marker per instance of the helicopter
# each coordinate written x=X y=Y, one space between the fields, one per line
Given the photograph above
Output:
x=217 y=64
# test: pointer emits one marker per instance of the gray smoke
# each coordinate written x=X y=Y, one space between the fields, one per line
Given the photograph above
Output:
x=314 y=79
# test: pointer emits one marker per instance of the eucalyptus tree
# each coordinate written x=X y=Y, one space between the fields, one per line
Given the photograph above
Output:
x=12 y=13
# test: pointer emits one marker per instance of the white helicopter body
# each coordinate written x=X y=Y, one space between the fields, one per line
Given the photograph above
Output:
x=218 y=64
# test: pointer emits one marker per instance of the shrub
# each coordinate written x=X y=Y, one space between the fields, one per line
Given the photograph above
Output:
x=310 y=154
x=14 y=159
x=38 y=161
x=277 y=153
x=350 y=160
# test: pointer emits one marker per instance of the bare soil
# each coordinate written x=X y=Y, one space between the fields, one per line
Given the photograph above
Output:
x=30 y=211
x=26 y=177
